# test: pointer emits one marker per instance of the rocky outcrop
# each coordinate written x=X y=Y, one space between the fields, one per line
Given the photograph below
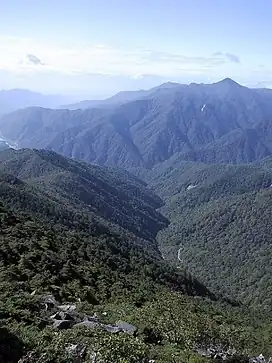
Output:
x=65 y=316
x=127 y=328
x=229 y=355
x=216 y=352
x=119 y=327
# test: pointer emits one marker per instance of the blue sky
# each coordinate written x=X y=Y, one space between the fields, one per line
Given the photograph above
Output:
x=94 y=48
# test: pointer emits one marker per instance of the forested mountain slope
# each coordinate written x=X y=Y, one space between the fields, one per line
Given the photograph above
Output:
x=220 y=122
x=220 y=225
x=111 y=194
x=58 y=261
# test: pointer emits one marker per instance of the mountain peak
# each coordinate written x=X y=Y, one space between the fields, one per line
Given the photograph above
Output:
x=166 y=85
x=229 y=82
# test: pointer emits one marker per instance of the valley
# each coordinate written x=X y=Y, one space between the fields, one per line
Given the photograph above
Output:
x=221 y=227
x=135 y=181
x=148 y=211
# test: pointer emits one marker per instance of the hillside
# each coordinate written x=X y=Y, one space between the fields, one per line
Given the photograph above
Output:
x=220 y=122
x=220 y=225
x=113 y=195
x=63 y=262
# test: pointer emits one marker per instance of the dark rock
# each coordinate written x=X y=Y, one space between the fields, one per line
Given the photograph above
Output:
x=66 y=316
x=61 y=316
x=127 y=328
x=62 y=324
x=42 y=323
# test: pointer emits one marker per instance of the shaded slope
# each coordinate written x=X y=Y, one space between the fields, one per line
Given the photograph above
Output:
x=116 y=196
x=35 y=210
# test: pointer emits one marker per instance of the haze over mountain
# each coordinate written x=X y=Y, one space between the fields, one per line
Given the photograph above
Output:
x=220 y=122
x=120 y=97
x=14 y=99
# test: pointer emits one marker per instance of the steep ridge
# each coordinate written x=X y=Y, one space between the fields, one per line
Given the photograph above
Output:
x=220 y=122
x=111 y=194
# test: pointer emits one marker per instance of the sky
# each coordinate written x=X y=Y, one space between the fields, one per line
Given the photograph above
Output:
x=95 y=48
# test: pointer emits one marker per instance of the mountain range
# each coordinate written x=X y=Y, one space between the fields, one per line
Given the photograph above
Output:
x=220 y=122
x=14 y=99
x=150 y=209
x=120 y=98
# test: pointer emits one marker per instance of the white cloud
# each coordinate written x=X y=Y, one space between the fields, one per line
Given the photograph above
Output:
x=230 y=56
x=24 y=55
x=33 y=59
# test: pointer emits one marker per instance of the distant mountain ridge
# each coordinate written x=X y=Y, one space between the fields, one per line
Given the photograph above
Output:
x=219 y=122
x=120 y=98
x=14 y=99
